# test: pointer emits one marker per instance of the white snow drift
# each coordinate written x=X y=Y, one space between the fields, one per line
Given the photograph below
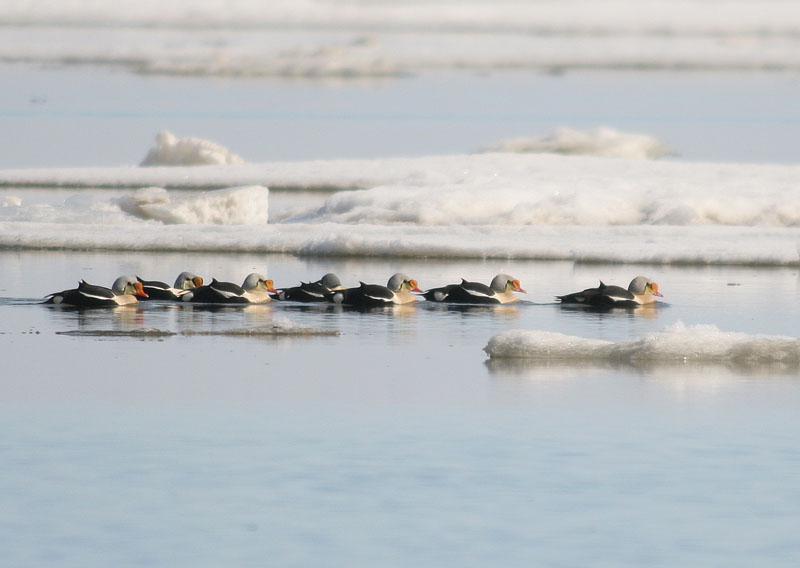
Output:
x=173 y=151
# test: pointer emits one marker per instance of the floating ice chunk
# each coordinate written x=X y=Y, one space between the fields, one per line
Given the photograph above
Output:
x=233 y=206
x=678 y=343
x=545 y=345
x=173 y=151
x=604 y=142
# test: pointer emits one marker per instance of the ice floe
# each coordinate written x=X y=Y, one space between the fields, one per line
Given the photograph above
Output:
x=594 y=142
x=326 y=38
x=676 y=344
x=495 y=205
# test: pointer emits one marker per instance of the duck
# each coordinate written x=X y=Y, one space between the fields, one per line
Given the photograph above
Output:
x=185 y=282
x=500 y=291
x=311 y=291
x=398 y=291
x=255 y=289
x=124 y=292
x=641 y=291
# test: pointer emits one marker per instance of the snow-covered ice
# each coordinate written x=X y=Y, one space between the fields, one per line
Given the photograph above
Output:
x=189 y=151
x=496 y=205
x=232 y=206
x=599 y=141
x=324 y=38
x=676 y=344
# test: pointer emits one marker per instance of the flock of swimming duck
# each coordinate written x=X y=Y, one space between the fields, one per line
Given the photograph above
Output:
x=400 y=289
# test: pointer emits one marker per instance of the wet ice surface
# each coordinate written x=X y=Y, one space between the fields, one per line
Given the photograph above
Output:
x=397 y=440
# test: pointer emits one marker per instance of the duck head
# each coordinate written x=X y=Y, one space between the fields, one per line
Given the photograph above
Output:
x=257 y=281
x=128 y=285
x=506 y=283
x=187 y=281
x=642 y=285
x=400 y=282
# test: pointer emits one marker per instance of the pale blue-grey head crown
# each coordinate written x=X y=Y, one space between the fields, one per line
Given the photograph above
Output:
x=330 y=281
x=185 y=281
x=124 y=285
x=397 y=281
x=638 y=285
x=501 y=282
x=253 y=281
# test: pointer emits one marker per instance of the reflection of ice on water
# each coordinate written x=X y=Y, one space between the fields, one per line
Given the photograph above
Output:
x=680 y=376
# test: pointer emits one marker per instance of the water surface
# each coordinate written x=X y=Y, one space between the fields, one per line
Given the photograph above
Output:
x=78 y=117
x=394 y=442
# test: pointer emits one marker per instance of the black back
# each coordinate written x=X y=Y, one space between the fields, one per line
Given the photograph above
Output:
x=461 y=294
x=220 y=293
x=156 y=290
x=365 y=296
x=601 y=297
x=444 y=292
x=306 y=292
x=85 y=295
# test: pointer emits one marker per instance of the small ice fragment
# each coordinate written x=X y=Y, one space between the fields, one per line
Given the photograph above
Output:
x=173 y=151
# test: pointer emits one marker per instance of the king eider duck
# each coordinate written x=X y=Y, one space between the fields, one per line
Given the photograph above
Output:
x=123 y=292
x=160 y=291
x=396 y=292
x=254 y=290
x=311 y=291
x=641 y=291
x=500 y=291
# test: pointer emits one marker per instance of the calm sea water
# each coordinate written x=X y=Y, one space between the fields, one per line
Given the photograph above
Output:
x=395 y=443
x=79 y=117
